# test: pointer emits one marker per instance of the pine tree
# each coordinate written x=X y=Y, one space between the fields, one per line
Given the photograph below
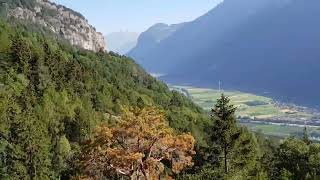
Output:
x=21 y=54
x=305 y=137
x=224 y=131
x=244 y=156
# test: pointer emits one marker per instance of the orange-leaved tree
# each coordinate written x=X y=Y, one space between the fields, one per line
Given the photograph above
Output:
x=137 y=146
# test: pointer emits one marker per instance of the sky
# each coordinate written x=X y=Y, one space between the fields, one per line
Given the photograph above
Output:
x=137 y=15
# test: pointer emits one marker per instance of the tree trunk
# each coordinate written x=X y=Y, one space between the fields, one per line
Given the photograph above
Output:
x=225 y=160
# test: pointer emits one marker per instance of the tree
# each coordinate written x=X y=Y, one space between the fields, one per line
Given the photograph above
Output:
x=138 y=146
x=233 y=145
x=314 y=160
x=244 y=158
x=62 y=153
x=140 y=103
x=21 y=54
x=176 y=99
x=305 y=137
x=293 y=158
x=224 y=132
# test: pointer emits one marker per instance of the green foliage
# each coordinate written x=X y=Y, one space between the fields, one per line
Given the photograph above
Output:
x=207 y=172
x=293 y=157
x=53 y=95
x=224 y=132
x=232 y=147
x=243 y=155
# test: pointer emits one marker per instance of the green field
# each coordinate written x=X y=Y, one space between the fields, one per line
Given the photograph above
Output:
x=253 y=107
x=281 y=130
x=249 y=105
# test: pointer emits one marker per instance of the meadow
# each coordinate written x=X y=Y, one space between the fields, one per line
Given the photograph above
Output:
x=254 y=107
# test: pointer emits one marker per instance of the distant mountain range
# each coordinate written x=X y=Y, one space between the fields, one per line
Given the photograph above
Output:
x=250 y=45
x=121 y=42
x=149 y=40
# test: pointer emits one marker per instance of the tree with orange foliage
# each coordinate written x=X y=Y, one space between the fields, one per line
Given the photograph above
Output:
x=136 y=147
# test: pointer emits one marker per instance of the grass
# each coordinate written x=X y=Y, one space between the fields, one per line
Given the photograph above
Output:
x=282 y=130
x=249 y=105
x=274 y=130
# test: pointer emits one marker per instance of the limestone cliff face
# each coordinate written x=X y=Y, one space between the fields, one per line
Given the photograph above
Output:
x=69 y=24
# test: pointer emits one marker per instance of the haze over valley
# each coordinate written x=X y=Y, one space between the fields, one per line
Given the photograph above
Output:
x=254 y=46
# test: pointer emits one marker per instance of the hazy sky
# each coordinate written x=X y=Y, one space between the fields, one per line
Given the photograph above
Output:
x=137 y=15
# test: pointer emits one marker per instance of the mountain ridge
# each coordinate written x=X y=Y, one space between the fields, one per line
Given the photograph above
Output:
x=271 y=49
x=62 y=21
x=150 y=39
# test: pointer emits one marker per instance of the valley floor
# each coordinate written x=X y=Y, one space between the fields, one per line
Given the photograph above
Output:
x=260 y=113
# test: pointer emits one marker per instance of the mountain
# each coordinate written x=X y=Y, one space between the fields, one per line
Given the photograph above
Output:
x=251 y=45
x=192 y=36
x=151 y=38
x=121 y=42
x=60 y=20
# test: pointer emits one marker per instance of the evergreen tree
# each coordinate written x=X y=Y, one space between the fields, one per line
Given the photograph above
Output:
x=224 y=131
x=21 y=54
x=140 y=103
x=244 y=158
x=305 y=136
x=235 y=143
x=292 y=158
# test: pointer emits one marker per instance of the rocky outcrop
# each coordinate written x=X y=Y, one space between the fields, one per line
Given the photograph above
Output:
x=63 y=21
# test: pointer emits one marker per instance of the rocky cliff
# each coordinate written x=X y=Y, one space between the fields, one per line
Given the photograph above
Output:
x=63 y=21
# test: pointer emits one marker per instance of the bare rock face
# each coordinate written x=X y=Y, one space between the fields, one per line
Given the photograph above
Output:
x=69 y=24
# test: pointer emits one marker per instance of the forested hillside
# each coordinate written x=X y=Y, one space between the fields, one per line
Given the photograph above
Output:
x=52 y=96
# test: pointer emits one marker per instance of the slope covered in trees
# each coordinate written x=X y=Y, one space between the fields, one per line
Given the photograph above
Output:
x=53 y=95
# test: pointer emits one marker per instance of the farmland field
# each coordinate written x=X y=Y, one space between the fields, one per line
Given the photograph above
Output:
x=257 y=108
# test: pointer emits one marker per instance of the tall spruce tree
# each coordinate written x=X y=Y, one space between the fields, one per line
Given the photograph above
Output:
x=224 y=131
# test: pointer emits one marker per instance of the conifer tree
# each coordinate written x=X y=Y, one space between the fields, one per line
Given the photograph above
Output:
x=305 y=137
x=224 y=131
